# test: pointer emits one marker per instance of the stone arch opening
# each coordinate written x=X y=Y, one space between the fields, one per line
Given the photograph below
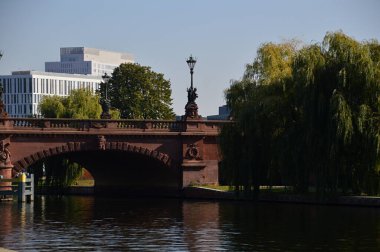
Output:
x=116 y=167
x=23 y=163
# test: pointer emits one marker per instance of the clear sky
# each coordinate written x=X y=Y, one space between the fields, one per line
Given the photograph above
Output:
x=223 y=35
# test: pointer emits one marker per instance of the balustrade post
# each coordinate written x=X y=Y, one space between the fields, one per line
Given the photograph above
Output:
x=46 y=124
x=148 y=125
x=111 y=124
x=6 y=123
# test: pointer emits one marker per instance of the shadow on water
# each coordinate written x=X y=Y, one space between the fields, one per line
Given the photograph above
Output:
x=300 y=227
x=77 y=223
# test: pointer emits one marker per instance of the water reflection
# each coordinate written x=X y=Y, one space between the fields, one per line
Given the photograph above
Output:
x=115 y=224
x=201 y=226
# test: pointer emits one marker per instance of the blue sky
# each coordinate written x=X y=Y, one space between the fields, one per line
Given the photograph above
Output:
x=223 y=35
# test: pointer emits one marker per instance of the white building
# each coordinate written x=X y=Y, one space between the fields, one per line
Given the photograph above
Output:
x=83 y=60
x=23 y=90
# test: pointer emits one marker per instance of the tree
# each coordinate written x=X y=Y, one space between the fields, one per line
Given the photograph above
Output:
x=139 y=93
x=52 y=107
x=80 y=104
x=260 y=110
x=308 y=116
x=59 y=172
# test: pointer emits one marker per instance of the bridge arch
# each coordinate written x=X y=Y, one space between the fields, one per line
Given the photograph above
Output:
x=71 y=147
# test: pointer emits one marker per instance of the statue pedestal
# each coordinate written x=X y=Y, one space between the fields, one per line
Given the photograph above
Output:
x=191 y=112
x=105 y=115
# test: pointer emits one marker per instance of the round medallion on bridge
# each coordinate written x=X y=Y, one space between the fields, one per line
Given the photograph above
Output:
x=192 y=152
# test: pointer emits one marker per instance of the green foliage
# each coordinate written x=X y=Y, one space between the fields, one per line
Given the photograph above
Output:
x=56 y=172
x=115 y=113
x=80 y=104
x=307 y=117
x=52 y=107
x=139 y=93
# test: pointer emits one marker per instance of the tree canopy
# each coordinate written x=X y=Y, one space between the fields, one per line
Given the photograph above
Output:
x=80 y=104
x=139 y=93
x=307 y=117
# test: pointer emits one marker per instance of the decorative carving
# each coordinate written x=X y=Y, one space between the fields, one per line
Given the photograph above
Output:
x=5 y=154
x=192 y=152
x=101 y=143
x=191 y=110
x=191 y=95
x=98 y=125
x=105 y=103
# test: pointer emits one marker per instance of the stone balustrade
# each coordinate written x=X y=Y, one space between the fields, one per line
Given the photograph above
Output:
x=120 y=125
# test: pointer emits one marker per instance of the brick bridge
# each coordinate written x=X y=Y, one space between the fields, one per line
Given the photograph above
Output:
x=118 y=153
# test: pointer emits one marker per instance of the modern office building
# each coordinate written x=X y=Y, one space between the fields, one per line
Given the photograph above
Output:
x=83 y=60
x=23 y=90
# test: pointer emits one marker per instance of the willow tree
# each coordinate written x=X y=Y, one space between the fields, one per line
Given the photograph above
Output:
x=56 y=172
x=310 y=116
x=260 y=112
x=339 y=93
x=80 y=104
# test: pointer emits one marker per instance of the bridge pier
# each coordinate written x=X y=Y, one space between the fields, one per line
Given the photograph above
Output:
x=200 y=158
x=5 y=167
x=200 y=173
x=5 y=173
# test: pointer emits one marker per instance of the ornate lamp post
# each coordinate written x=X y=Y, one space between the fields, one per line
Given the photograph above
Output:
x=104 y=102
x=191 y=108
x=191 y=63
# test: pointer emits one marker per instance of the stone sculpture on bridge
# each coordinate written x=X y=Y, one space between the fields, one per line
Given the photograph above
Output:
x=191 y=108
x=5 y=154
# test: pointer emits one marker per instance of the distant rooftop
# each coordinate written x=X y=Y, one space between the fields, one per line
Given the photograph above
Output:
x=32 y=72
x=94 y=54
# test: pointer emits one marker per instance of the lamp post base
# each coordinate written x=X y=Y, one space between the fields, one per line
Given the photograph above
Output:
x=191 y=111
x=105 y=116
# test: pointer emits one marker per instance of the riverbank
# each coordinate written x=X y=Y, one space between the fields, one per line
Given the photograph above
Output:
x=209 y=193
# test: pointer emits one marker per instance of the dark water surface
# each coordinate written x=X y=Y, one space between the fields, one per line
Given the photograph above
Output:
x=74 y=223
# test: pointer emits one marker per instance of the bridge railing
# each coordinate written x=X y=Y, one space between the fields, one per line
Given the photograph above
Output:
x=120 y=124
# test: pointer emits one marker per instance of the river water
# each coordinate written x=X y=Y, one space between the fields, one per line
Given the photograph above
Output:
x=76 y=223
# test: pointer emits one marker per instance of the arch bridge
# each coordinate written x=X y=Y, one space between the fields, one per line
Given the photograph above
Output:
x=119 y=153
